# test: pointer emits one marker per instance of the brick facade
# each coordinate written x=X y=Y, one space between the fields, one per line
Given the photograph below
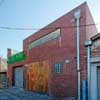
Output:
x=60 y=50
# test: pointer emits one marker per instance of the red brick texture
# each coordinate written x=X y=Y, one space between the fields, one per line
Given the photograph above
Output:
x=64 y=84
x=95 y=49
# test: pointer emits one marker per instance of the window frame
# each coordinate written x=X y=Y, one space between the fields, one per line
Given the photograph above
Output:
x=58 y=68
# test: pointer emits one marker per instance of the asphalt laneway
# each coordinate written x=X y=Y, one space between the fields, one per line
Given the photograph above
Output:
x=7 y=96
x=20 y=94
x=17 y=94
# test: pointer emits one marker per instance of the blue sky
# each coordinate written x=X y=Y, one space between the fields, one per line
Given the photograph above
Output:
x=34 y=14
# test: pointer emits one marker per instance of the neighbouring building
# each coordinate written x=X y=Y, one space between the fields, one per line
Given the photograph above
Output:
x=16 y=61
x=48 y=62
x=94 y=70
x=3 y=72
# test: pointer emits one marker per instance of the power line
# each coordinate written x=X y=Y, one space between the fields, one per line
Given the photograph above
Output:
x=46 y=28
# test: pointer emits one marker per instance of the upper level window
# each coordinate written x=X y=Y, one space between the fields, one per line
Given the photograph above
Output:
x=44 y=39
x=58 y=68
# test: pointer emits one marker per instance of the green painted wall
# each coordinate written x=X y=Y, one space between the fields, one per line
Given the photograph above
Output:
x=16 y=58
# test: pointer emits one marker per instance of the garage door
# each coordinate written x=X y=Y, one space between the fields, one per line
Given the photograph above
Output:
x=18 y=77
x=98 y=83
x=37 y=74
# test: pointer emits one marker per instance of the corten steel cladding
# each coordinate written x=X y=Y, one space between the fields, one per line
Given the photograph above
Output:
x=37 y=74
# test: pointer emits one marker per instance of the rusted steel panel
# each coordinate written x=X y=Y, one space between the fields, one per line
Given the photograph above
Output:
x=37 y=75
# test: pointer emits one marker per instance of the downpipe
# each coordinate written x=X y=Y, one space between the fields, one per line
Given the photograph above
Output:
x=77 y=16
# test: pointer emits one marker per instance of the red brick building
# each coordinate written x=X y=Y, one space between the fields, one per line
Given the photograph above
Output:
x=51 y=55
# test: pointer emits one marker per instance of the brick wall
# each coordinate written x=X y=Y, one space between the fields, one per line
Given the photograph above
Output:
x=95 y=49
x=64 y=84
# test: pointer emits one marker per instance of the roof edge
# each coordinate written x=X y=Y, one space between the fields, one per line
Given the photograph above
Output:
x=93 y=38
x=84 y=3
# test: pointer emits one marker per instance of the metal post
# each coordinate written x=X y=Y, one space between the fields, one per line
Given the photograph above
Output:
x=83 y=89
x=77 y=17
x=88 y=44
x=88 y=64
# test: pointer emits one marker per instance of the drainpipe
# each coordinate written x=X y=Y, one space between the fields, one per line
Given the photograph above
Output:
x=88 y=44
x=77 y=17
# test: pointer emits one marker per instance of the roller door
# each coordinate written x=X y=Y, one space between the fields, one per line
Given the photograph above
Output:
x=18 y=77
x=37 y=74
